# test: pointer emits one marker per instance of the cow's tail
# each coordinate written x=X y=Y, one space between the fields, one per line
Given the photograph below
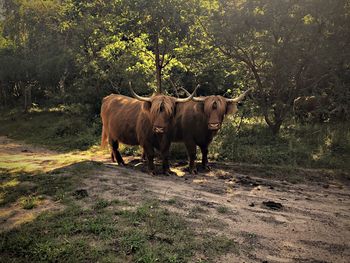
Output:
x=104 y=137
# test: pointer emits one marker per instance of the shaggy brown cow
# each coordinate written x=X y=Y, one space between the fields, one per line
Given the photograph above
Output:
x=142 y=121
x=197 y=122
x=307 y=107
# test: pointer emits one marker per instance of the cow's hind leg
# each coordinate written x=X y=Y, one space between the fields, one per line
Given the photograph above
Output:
x=112 y=157
x=191 y=150
x=116 y=156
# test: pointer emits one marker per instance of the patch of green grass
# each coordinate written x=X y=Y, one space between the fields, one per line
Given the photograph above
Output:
x=53 y=238
x=222 y=209
x=175 y=201
x=219 y=244
x=195 y=211
x=171 y=201
x=102 y=203
x=148 y=233
x=215 y=223
x=11 y=195
x=120 y=202
x=57 y=184
x=29 y=202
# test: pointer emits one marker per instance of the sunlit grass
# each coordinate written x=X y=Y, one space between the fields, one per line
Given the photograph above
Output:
x=46 y=162
x=10 y=183
x=29 y=202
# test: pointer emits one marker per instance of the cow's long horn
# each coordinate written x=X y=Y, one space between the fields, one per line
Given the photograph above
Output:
x=241 y=97
x=189 y=97
x=198 y=99
x=137 y=96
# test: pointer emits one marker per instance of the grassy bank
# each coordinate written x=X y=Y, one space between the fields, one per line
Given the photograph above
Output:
x=312 y=146
x=61 y=128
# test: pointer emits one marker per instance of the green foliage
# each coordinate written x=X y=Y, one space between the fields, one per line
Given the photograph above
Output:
x=316 y=146
x=286 y=46
x=71 y=51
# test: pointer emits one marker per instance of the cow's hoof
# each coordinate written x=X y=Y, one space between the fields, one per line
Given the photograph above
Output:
x=169 y=173
x=206 y=168
x=153 y=173
x=193 y=171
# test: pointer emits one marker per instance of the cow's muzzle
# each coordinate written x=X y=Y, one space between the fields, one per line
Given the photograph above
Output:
x=158 y=130
x=214 y=126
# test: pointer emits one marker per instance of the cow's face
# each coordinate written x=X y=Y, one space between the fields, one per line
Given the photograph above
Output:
x=215 y=108
x=162 y=109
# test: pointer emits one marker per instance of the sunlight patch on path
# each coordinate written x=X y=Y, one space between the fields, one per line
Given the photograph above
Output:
x=18 y=157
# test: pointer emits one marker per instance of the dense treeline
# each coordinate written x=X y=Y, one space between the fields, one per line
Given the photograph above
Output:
x=67 y=51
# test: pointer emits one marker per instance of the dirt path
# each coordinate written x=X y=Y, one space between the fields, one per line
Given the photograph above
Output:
x=313 y=224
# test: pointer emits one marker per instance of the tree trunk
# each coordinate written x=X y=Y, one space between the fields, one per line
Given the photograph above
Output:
x=3 y=95
x=27 y=97
x=158 y=66
x=275 y=125
x=61 y=83
x=276 y=128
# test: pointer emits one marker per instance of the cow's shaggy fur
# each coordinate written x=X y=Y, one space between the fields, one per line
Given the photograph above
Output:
x=133 y=122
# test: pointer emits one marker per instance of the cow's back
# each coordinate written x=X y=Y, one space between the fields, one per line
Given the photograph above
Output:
x=120 y=115
x=190 y=123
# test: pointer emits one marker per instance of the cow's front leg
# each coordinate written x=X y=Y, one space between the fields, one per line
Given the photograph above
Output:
x=149 y=151
x=165 y=159
x=204 y=150
x=164 y=151
x=191 y=150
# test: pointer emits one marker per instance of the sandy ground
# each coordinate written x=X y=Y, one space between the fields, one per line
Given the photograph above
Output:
x=313 y=224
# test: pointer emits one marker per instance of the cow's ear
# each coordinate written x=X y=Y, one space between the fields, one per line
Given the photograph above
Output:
x=175 y=108
x=147 y=105
x=231 y=108
x=200 y=106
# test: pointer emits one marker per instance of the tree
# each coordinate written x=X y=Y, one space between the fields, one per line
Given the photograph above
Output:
x=280 y=42
x=29 y=30
x=166 y=27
